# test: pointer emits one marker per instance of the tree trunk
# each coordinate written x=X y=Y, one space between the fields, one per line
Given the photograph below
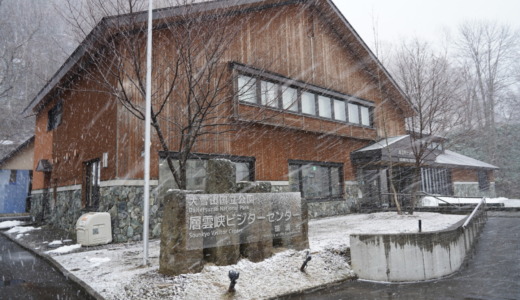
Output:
x=416 y=186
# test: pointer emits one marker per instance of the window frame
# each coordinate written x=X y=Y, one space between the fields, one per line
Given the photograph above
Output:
x=483 y=180
x=322 y=164
x=284 y=88
x=251 y=160
x=282 y=82
x=13 y=174
x=55 y=116
x=334 y=114
x=436 y=181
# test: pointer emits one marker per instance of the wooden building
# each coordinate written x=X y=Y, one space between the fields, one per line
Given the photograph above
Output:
x=300 y=91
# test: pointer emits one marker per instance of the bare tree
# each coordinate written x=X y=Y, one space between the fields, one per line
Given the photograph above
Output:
x=191 y=96
x=488 y=52
x=434 y=88
x=15 y=64
x=382 y=57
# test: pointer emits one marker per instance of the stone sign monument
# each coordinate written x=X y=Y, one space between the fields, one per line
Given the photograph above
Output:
x=224 y=216
x=221 y=228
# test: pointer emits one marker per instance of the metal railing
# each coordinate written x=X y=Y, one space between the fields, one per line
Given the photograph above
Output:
x=481 y=207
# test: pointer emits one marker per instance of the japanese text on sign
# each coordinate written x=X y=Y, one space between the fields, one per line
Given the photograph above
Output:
x=226 y=219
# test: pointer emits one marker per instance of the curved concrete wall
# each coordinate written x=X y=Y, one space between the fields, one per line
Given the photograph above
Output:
x=415 y=256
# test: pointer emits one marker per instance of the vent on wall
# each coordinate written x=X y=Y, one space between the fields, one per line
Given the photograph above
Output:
x=105 y=159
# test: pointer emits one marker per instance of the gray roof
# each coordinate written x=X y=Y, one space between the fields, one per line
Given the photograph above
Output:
x=382 y=143
x=447 y=158
x=13 y=150
x=454 y=158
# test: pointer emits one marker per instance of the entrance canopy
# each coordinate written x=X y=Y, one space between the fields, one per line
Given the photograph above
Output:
x=399 y=151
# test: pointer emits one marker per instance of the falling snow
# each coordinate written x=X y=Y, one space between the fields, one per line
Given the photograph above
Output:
x=116 y=272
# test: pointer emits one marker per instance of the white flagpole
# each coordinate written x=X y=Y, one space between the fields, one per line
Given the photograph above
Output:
x=146 y=202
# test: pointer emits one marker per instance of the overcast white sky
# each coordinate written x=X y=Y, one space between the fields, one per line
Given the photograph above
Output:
x=397 y=19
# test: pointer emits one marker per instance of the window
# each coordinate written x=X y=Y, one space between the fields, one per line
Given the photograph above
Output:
x=262 y=88
x=435 y=146
x=370 y=185
x=353 y=113
x=365 y=116
x=436 y=181
x=290 y=99
x=92 y=182
x=243 y=171
x=324 y=107
x=339 y=110
x=54 y=116
x=197 y=165
x=308 y=103
x=316 y=180
x=483 y=180
x=12 y=177
x=246 y=89
x=269 y=93
x=196 y=174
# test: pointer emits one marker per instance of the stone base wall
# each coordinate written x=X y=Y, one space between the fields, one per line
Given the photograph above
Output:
x=60 y=210
x=124 y=203
x=351 y=203
x=319 y=209
x=471 y=189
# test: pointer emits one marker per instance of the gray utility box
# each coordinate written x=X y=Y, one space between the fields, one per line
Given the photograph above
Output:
x=94 y=228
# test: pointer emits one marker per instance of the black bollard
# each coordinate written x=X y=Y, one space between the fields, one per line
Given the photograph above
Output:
x=233 y=276
x=307 y=259
x=420 y=226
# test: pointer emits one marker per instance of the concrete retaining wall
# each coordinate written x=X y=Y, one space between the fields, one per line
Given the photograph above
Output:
x=415 y=256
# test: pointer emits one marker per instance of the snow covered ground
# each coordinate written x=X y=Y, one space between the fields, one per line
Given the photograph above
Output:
x=10 y=224
x=116 y=272
x=435 y=201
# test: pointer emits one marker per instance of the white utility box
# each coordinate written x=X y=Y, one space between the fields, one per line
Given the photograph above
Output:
x=94 y=228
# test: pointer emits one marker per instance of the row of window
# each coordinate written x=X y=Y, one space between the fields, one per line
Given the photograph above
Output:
x=314 y=180
x=275 y=95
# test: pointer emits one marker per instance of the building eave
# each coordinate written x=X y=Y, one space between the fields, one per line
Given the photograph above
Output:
x=16 y=151
x=108 y=24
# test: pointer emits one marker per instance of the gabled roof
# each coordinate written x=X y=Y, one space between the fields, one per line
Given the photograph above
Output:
x=21 y=147
x=382 y=143
x=350 y=37
x=445 y=158
x=454 y=158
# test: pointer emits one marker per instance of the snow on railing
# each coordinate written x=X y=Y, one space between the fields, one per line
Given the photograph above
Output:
x=482 y=204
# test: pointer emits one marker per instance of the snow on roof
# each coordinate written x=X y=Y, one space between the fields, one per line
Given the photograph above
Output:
x=382 y=143
x=454 y=158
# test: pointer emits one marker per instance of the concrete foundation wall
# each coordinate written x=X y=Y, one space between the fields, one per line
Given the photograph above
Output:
x=413 y=257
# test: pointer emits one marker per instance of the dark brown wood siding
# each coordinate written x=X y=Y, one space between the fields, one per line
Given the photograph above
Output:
x=295 y=42
x=87 y=130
